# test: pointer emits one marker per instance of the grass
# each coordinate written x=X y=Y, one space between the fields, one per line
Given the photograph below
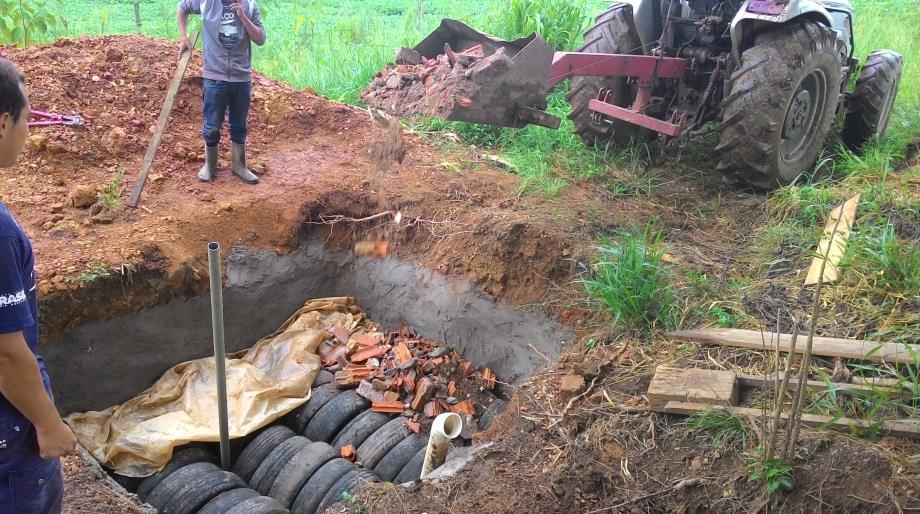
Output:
x=631 y=283
x=110 y=196
x=718 y=428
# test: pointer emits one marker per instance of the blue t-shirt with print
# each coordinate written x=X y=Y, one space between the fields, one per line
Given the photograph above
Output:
x=18 y=299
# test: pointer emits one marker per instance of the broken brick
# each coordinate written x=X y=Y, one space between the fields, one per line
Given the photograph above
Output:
x=390 y=396
x=464 y=407
x=572 y=383
x=424 y=390
x=488 y=378
x=367 y=340
x=466 y=367
x=433 y=409
x=388 y=407
x=452 y=388
x=367 y=390
x=402 y=353
x=340 y=333
x=369 y=353
x=348 y=453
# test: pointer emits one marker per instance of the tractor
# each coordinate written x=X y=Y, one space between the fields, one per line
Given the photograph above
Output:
x=770 y=76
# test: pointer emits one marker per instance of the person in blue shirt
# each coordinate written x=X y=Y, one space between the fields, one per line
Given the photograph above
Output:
x=32 y=433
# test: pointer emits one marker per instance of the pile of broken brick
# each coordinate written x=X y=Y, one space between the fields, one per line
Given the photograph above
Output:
x=435 y=86
x=401 y=373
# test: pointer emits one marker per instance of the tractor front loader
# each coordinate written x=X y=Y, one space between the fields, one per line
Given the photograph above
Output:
x=770 y=76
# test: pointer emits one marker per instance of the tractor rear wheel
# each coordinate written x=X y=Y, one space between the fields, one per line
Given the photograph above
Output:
x=870 y=104
x=780 y=104
x=612 y=33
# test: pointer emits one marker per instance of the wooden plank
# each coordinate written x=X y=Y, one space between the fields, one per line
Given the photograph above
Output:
x=846 y=213
x=892 y=428
x=162 y=122
x=823 y=346
x=692 y=385
x=817 y=385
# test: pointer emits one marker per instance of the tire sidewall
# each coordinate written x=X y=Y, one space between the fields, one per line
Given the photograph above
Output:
x=830 y=64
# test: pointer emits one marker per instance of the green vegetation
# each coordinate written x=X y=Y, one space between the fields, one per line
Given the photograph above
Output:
x=718 y=428
x=774 y=473
x=94 y=271
x=110 y=196
x=631 y=283
x=23 y=22
x=561 y=22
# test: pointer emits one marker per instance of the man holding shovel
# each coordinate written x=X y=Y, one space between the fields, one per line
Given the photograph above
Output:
x=229 y=27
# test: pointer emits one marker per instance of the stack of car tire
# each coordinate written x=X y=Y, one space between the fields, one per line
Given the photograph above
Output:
x=295 y=466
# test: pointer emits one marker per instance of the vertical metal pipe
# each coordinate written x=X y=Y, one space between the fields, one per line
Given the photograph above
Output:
x=220 y=353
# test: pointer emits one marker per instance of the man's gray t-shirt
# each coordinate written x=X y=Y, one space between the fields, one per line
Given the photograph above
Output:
x=225 y=42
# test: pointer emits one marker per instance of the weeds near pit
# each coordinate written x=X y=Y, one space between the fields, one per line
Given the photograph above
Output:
x=631 y=283
x=94 y=271
x=592 y=343
x=110 y=196
x=776 y=475
x=719 y=428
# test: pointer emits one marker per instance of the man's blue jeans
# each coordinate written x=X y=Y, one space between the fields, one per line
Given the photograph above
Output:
x=219 y=97
x=29 y=484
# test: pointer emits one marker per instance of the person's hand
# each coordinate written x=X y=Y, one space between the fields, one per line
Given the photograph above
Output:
x=184 y=44
x=237 y=7
x=56 y=441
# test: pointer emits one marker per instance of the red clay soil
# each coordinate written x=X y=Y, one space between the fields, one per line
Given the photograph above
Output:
x=313 y=158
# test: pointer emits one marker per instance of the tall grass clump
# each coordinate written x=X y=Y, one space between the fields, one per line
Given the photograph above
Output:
x=631 y=283
x=561 y=22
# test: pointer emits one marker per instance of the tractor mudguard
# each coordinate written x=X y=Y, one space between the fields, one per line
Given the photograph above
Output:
x=755 y=14
x=646 y=25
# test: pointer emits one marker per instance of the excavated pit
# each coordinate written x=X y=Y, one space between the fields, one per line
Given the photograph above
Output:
x=103 y=363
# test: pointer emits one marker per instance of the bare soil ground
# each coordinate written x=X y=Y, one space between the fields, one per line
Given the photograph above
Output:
x=466 y=221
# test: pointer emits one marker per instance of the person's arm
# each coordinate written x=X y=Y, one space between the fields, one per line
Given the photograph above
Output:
x=253 y=25
x=21 y=384
x=185 y=8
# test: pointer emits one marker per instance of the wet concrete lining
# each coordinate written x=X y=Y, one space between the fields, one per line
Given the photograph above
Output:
x=107 y=362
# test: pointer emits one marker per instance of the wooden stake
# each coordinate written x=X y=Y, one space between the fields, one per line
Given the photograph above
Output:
x=162 y=122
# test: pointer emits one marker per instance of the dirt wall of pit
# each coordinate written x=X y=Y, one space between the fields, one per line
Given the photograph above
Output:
x=103 y=363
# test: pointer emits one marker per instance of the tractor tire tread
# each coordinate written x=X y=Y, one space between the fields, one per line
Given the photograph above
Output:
x=757 y=93
x=865 y=119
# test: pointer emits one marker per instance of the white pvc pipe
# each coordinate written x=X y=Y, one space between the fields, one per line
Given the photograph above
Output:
x=445 y=427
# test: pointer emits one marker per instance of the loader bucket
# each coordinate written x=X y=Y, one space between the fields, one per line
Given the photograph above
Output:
x=513 y=98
